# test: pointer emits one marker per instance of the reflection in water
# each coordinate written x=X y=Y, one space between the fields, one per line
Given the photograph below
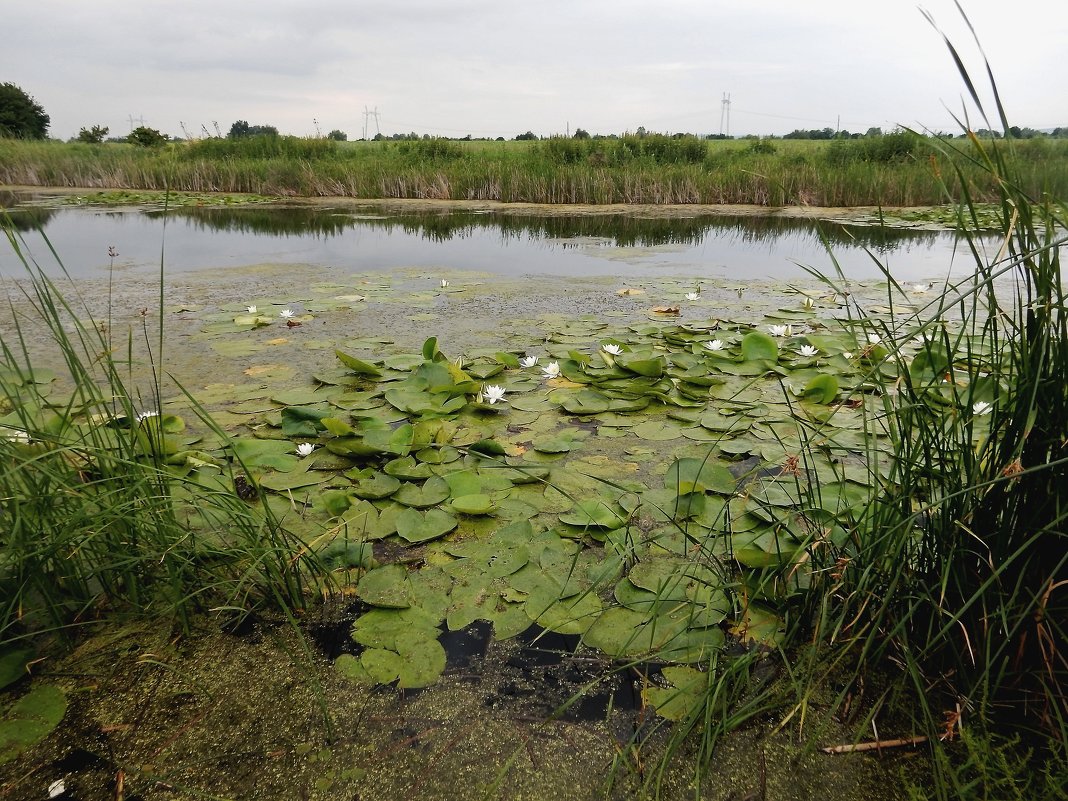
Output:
x=28 y=218
x=274 y=220
x=500 y=241
x=622 y=230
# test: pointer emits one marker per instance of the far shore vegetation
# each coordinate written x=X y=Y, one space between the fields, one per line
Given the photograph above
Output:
x=806 y=168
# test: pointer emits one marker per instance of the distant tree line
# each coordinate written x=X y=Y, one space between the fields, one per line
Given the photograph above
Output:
x=21 y=116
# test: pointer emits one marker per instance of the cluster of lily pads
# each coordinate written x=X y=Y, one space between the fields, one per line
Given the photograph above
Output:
x=653 y=488
x=638 y=491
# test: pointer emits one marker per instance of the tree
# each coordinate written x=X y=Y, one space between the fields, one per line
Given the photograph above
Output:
x=146 y=137
x=241 y=129
x=528 y=136
x=338 y=136
x=20 y=115
x=94 y=135
x=581 y=133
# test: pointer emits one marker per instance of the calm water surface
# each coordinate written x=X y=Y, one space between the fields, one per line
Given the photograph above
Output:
x=497 y=242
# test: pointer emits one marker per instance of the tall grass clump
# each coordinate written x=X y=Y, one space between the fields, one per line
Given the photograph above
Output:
x=938 y=614
x=103 y=507
x=259 y=147
x=958 y=572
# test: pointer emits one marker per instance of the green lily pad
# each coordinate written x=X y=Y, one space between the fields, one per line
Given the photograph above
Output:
x=433 y=491
x=658 y=430
x=386 y=587
x=572 y=615
x=13 y=665
x=595 y=514
x=553 y=444
x=30 y=719
x=757 y=346
x=684 y=699
x=699 y=475
x=416 y=527
x=650 y=368
x=407 y=469
x=621 y=632
x=345 y=553
x=586 y=401
x=358 y=366
x=380 y=485
x=822 y=389
x=474 y=504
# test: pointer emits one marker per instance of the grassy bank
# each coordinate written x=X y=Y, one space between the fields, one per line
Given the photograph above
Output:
x=897 y=169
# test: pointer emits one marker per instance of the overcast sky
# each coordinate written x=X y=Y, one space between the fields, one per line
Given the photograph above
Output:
x=500 y=67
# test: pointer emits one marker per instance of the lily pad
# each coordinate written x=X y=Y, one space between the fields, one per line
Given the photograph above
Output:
x=474 y=504
x=684 y=699
x=416 y=527
x=595 y=514
x=757 y=345
x=433 y=491
x=586 y=401
x=380 y=485
x=699 y=475
x=30 y=719
x=386 y=587
x=358 y=366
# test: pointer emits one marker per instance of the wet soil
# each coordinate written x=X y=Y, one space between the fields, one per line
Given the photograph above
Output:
x=243 y=716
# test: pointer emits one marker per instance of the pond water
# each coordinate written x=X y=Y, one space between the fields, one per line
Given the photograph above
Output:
x=499 y=241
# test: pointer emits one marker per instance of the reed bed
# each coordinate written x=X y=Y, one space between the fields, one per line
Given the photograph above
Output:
x=100 y=516
x=893 y=170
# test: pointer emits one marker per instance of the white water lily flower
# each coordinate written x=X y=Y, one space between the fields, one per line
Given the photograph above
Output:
x=919 y=289
x=612 y=349
x=781 y=330
x=141 y=416
x=551 y=370
x=15 y=435
x=305 y=449
x=847 y=354
x=808 y=304
x=693 y=296
x=981 y=408
x=493 y=393
x=808 y=350
x=252 y=309
x=874 y=339
x=285 y=314
x=715 y=344
x=444 y=283
x=528 y=361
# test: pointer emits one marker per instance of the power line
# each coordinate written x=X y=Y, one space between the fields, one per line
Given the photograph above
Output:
x=366 y=116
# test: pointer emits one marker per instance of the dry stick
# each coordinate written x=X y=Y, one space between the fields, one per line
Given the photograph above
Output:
x=874 y=745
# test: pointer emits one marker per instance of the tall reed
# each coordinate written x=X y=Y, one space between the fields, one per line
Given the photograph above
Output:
x=101 y=508
x=958 y=572
x=893 y=170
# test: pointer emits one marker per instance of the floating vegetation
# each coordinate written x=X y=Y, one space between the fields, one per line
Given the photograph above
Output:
x=626 y=484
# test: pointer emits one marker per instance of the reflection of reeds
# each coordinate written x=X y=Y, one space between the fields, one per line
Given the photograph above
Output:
x=621 y=230
x=600 y=171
